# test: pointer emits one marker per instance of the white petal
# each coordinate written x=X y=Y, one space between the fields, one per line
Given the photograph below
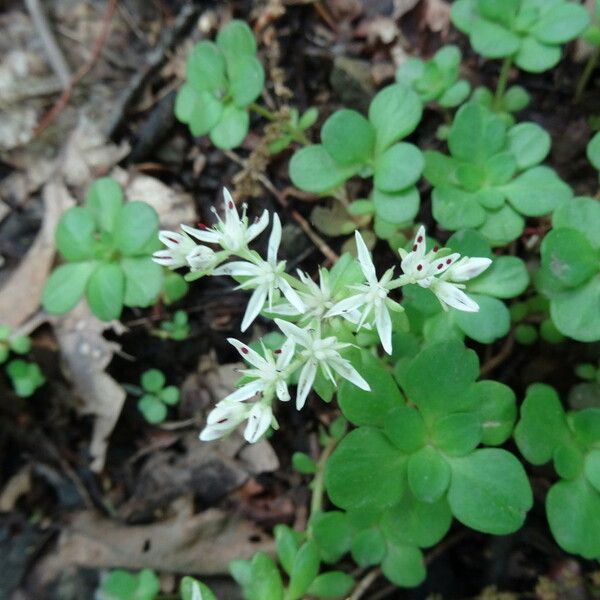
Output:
x=255 y=305
x=347 y=371
x=259 y=420
x=274 y=240
x=204 y=235
x=246 y=392
x=231 y=213
x=166 y=258
x=300 y=336
x=364 y=258
x=346 y=305
x=419 y=243
x=253 y=357
x=468 y=268
x=282 y=391
x=171 y=239
x=209 y=433
x=287 y=352
x=451 y=295
x=290 y=293
x=285 y=309
x=438 y=266
x=383 y=322
x=238 y=268
x=305 y=382
x=257 y=228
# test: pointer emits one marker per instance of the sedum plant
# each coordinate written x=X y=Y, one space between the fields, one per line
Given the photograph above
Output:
x=571 y=441
x=107 y=245
x=512 y=101
x=155 y=396
x=570 y=271
x=492 y=179
x=25 y=376
x=436 y=80
x=222 y=80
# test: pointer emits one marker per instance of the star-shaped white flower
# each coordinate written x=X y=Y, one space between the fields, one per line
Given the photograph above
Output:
x=372 y=298
x=232 y=234
x=319 y=352
x=264 y=277
x=444 y=274
x=179 y=246
x=269 y=373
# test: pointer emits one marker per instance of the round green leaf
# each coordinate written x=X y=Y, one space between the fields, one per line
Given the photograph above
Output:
x=586 y=425
x=106 y=291
x=303 y=463
x=143 y=281
x=536 y=57
x=428 y=474
x=348 y=137
x=200 y=110
x=399 y=167
x=169 y=395
x=463 y=14
x=457 y=434
x=153 y=409
x=365 y=460
x=206 y=68
x=66 y=286
x=406 y=429
x=368 y=547
x=500 y=169
x=502 y=226
x=576 y=313
x=506 y=277
x=20 y=344
x=304 y=570
x=582 y=214
x=153 y=380
x=515 y=99
x=440 y=169
x=491 y=322
x=75 y=234
x=231 y=129
x=264 y=580
x=175 y=287
x=397 y=208
x=247 y=79
x=497 y=412
x=489 y=491
x=568 y=460
x=493 y=40
x=313 y=169
x=561 y=23
x=456 y=209
x=334 y=584
x=529 y=144
x=455 y=95
x=105 y=199
x=592 y=468
x=394 y=112
x=593 y=151
x=404 y=566
x=332 y=533
x=236 y=38
x=137 y=224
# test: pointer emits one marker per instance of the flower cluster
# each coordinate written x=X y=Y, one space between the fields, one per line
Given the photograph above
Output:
x=318 y=321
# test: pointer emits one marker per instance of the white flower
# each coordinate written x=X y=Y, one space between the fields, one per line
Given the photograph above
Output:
x=179 y=246
x=233 y=234
x=442 y=275
x=223 y=419
x=323 y=353
x=268 y=375
x=202 y=258
x=372 y=298
x=264 y=277
x=259 y=420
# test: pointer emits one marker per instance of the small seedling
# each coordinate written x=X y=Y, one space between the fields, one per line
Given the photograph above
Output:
x=123 y=585
x=176 y=329
x=293 y=129
x=25 y=376
x=155 y=397
x=514 y=100
x=108 y=245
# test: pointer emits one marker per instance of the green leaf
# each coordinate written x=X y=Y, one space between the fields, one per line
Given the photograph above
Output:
x=365 y=460
x=463 y=14
x=455 y=95
x=372 y=407
x=312 y=169
x=106 y=291
x=152 y=408
x=399 y=167
x=404 y=566
x=332 y=533
x=334 y=584
x=200 y=110
x=561 y=24
x=491 y=322
x=542 y=425
x=506 y=277
x=303 y=463
x=406 y=429
x=304 y=570
x=428 y=474
x=502 y=226
x=206 y=68
x=500 y=169
x=503 y=12
x=175 y=287
x=143 y=281
x=287 y=544
x=395 y=112
x=247 y=79
x=456 y=209
x=397 y=208
x=440 y=169
x=20 y=344
x=582 y=214
x=592 y=468
x=457 y=434
x=529 y=144
x=265 y=580
x=66 y=286
x=368 y=547
x=515 y=99
x=75 y=234
x=186 y=589
x=573 y=509
x=497 y=412
x=458 y=368
x=576 y=313
x=586 y=425
x=489 y=491
x=137 y=224
x=593 y=151
x=536 y=57
x=169 y=395
x=348 y=137
x=569 y=257
x=236 y=38
x=492 y=40
x=153 y=380
x=471 y=243
x=105 y=199
x=231 y=129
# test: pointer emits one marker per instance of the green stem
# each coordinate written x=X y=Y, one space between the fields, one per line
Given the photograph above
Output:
x=502 y=81
x=587 y=73
x=263 y=112
x=316 y=502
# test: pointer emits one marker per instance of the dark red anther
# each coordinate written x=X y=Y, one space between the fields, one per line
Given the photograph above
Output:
x=415 y=248
x=436 y=248
x=420 y=239
x=419 y=267
x=449 y=261
x=171 y=239
x=223 y=421
x=244 y=350
x=440 y=266
x=230 y=205
x=202 y=226
x=278 y=351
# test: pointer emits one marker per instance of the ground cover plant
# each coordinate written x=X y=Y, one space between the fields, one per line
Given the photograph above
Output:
x=416 y=384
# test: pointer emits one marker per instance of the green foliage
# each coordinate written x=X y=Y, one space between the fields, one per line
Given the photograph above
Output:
x=570 y=271
x=123 y=585
x=177 y=328
x=292 y=129
x=223 y=79
x=546 y=433
x=175 y=287
x=156 y=397
x=190 y=586
x=531 y=32
x=25 y=376
x=513 y=100
x=436 y=79
x=492 y=179
x=107 y=245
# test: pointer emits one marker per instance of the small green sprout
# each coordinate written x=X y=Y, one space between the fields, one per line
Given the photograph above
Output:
x=592 y=36
x=436 y=80
x=223 y=80
x=176 y=329
x=108 y=245
x=18 y=344
x=514 y=100
x=293 y=129
x=156 y=397
x=123 y=585
x=588 y=371
x=26 y=377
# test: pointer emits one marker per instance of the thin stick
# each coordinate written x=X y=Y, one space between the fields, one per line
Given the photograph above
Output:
x=55 y=56
x=365 y=583
x=64 y=98
x=499 y=358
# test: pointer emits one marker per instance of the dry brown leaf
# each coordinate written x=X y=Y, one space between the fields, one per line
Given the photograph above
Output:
x=20 y=297
x=401 y=7
x=436 y=16
x=201 y=544
x=85 y=354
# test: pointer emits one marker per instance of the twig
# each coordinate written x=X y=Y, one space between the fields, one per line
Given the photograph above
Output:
x=499 y=358
x=365 y=583
x=53 y=51
x=64 y=98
